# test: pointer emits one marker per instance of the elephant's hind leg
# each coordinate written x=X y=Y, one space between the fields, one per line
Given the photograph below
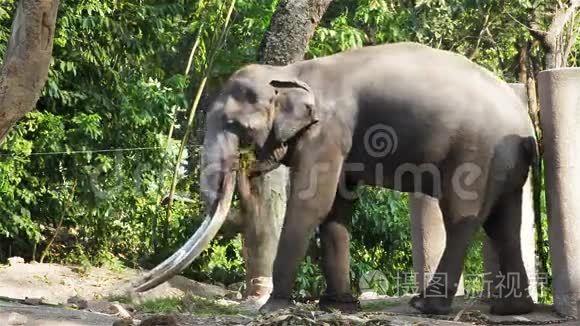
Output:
x=503 y=229
x=438 y=296
x=464 y=211
x=334 y=240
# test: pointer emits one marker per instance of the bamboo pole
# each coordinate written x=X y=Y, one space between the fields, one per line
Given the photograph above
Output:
x=194 y=109
x=187 y=69
x=170 y=135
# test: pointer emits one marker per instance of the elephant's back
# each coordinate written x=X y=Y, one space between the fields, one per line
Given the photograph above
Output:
x=418 y=107
x=435 y=83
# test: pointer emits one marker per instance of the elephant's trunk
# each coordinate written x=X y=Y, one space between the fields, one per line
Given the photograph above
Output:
x=221 y=151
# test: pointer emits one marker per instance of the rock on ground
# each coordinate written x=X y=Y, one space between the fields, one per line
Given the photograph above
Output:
x=49 y=316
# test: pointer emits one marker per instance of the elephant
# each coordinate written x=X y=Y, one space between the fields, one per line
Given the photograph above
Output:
x=403 y=116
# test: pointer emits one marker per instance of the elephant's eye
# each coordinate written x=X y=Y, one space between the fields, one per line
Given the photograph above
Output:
x=245 y=94
x=250 y=96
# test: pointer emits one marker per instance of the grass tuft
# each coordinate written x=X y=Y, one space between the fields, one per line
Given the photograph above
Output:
x=162 y=305
x=190 y=304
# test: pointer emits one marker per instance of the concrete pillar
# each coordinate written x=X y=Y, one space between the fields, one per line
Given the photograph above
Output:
x=527 y=233
x=559 y=91
x=428 y=236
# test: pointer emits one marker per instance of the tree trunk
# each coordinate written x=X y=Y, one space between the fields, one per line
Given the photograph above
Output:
x=557 y=41
x=291 y=28
x=27 y=59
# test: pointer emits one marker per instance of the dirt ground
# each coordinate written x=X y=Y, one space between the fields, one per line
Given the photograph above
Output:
x=57 y=283
x=50 y=295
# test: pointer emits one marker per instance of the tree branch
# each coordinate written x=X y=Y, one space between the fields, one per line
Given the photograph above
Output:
x=571 y=37
x=485 y=26
x=562 y=17
x=551 y=40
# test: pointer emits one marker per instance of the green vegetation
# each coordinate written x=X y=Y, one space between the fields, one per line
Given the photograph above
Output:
x=196 y=305
x=117 y=83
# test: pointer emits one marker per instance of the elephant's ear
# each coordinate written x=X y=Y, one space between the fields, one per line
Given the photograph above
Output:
x=295 y=108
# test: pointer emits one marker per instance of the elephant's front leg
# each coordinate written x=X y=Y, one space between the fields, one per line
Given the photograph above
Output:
x=314 y=182
x=334 y=239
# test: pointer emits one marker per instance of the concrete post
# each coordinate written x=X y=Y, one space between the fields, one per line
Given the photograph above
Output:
x=527 y=233
x=559 y=91
x=428 y=237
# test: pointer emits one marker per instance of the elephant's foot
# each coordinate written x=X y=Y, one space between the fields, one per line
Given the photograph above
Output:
x=274 y=304
x=432 y=305
x=345 y=303
x=253 y=303
x=512 y=306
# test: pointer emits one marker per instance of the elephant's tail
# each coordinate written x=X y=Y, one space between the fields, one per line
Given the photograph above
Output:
x=532 y=150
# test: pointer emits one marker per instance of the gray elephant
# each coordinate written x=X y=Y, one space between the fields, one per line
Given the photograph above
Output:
x=401 y=116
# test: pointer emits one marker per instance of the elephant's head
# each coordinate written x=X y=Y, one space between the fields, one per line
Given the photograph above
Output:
x=260 y=107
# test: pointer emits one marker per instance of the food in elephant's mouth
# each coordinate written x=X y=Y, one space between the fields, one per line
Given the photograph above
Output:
x=247 y=158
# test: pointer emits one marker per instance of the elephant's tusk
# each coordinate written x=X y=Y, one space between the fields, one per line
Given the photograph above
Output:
x=195 y=245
